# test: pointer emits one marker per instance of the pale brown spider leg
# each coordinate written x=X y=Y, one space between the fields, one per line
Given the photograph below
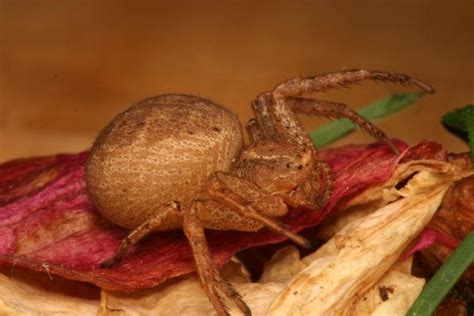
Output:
x=261 y=108
x=253 y=130
x=285 y=124
x=338 y=110
x=297 y=86
x=327 y=178
x=211 y=280
x=285 y=120
x=164 y=212
x=250 y=201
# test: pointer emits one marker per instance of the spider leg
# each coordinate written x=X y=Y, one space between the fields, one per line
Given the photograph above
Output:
x=286 y=123
x=164 y=213
x=253 y=130
x=297 y=86
x=212 y=283
x=277 y=122
x=338 y=110
x=250 y=201
x=261 y=107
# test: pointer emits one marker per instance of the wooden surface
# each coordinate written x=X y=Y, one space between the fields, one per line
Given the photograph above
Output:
x=66 y=67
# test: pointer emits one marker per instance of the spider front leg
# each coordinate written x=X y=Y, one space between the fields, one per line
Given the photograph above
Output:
x=334 y=110
x=254 y=132
x=271 y=127
x=211 y=281
x=251 y=202
x=261 y=107
x=284 y=118
x=165 y=216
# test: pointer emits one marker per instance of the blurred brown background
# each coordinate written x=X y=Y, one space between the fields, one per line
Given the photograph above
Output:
x=66 y=67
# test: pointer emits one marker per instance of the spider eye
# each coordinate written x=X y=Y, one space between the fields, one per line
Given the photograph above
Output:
x=296 y=165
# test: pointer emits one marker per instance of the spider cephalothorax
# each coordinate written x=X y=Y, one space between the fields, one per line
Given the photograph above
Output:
x=286 y=171
x=216 y=183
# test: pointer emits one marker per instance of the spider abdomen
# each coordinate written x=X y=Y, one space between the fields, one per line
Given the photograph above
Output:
x=160 y=150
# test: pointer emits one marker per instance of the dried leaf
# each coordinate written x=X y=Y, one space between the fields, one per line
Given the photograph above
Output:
x=379 y=195
x=184 y=296
x=283 y=266
x=46 y=218
x=364 y=251
x=392 y=295
x=426 y=155
x=454 y=219
x=26 y=293
x=445 y=278
x=358 y=263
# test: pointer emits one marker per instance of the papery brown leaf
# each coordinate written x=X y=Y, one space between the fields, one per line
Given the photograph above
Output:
x=363 y=251
x=455 y=219
x=31 y=293
x=426 y=149
x=392 y=295
x=184 y=296
x=49 y=224
x=284 y=264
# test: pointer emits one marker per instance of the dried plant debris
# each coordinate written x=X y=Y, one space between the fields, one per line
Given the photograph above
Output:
x=392 y=295
x=363 y=252
x=350 y=275
x=445 y=279
x=356 y=272
x=283 y=266
x=455 y=219
x=184 y=296
x=46 y=218
x=28 y=293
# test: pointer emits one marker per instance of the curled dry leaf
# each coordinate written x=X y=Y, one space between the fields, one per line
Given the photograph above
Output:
x=455 y=219
x=364 y=250
x=379 y=195
x=26 y=293
x=426 y=155
x=383 y=286
x=46 y=218
x=283 y=266
x=392 y=295
x=184 y=296
x=48 y=224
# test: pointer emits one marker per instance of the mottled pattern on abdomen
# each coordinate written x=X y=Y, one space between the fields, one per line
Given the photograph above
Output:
x=159 y=150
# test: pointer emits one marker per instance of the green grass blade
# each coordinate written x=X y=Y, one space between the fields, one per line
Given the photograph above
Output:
x=457 y=120
x=444 y=279
x=373 y=112
x=461 y=123
x=471 y=139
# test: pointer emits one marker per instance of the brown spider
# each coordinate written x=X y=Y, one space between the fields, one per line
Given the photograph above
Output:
x=279 y=170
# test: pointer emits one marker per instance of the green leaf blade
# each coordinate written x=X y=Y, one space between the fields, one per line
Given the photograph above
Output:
x=461 y=123
x=375 y=111
x=456 y=119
